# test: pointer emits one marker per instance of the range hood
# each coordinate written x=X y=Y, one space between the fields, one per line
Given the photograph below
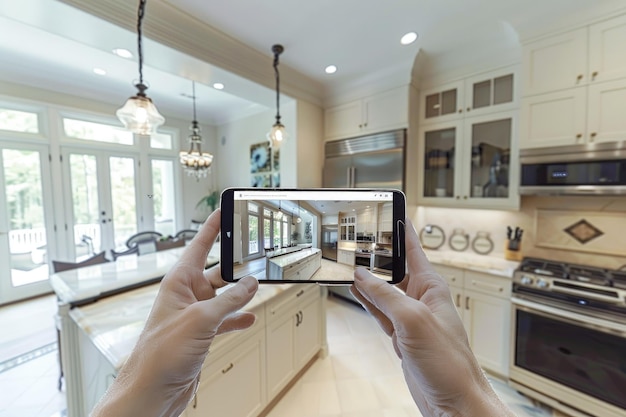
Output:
x=591 y=169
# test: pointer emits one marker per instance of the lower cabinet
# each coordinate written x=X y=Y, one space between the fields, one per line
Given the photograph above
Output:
x=483 y=303
x=242 y=370
x=345 y=257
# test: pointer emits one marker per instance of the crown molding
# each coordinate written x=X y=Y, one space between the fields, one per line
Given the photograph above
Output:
x=178 y=30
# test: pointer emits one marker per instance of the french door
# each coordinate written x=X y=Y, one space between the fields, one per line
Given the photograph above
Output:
x=26 y=220
x=103 y=195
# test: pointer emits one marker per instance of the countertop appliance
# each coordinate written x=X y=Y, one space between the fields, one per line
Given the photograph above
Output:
x=569 y=336
x=591 y=169
x=374 y=161
x=329 y=241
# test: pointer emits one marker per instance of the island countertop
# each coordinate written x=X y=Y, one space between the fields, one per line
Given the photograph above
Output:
x=293 y=257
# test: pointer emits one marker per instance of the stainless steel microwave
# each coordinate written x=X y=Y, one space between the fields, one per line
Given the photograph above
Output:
x=592 y=169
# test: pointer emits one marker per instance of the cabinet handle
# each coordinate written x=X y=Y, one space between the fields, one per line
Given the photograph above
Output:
x=195 y=401
x=578 y=136
x=594 y=75
x=467 y=303
x=460 y=110
x=453 y=279
x=468 y=109
x=365 y=124
x=487 y=285
x=464 y=197
x=228 y=368
x=579 y=78
x=593 y=136
x=300 y=293
x=457 y=197
x=458 y=300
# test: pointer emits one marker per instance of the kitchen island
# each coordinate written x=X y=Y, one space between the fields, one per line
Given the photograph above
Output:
x=296 y=265
x=289 y=333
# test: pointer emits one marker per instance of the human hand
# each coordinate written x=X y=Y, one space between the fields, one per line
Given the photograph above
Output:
x=161 y=375
x=441 y=371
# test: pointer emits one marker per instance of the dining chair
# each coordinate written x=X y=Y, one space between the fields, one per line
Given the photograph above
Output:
x=186 y=234
x=140 y=237
x=169 y=244
x=60 y=266
x=131 y=251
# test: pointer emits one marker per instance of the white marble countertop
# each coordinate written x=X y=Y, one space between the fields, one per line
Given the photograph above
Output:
x=92 y=281
x=290 y=258
x=481 y=263
x=114 y=324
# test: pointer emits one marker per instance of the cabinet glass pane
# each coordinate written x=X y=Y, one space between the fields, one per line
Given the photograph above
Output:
x=432 y=105
x=491 y=148
x=482 y=94
x=448 y=102
x=439 y=163
x=503 y=89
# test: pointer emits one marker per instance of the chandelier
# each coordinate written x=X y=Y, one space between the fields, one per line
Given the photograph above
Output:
x=277 y=135
x=139 y=114
x=195 y=162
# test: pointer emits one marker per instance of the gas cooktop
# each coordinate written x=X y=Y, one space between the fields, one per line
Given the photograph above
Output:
x=581 y=273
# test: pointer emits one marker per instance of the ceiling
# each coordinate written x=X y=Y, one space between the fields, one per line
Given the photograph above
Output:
x=51 y=45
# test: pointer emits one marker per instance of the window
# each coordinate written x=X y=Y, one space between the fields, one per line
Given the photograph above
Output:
x=253 y=228
x=163 y=199
x=285 y=231
x=99 y=132
x=161 y=141
x=19 y=121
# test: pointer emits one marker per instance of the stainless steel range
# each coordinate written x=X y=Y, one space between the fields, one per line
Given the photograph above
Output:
x=569 y=337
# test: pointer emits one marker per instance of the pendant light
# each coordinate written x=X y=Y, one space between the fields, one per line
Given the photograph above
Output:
x=139 y=114
x=299 y=219
x=195 y=162
x=277 y=135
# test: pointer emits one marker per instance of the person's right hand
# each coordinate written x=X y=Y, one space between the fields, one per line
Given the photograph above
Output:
x=441 y=371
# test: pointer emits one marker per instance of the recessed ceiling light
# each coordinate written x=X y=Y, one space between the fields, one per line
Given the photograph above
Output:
x=124 y=53
x=331 y=69
x=408 y=38
x=99 y=71
x=218 y=86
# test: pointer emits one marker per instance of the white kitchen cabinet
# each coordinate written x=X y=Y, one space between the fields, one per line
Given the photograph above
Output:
x=385 y=217
x=345 y=257
x=470 y=162
x=476 y=95
x=373 y=114
x=294 y=324
x=483 y=303
x=366 y=220
x=241 y=370
x=580 y=115
x=607 y=60
x=347 y=227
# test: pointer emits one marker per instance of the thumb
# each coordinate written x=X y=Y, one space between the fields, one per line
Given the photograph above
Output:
x=379 y=293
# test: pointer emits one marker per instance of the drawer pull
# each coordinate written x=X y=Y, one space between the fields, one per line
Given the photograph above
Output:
x=228 y=368
x=467 y=303
x=458 y=300
x=300 y=293
x=487 y=286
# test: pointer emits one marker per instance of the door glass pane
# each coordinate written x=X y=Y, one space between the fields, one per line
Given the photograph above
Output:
x=86 y=205
x=439 y=163
x=123 y=198
x=276 y=233
x=491 y=149
x=27 y=232
x=448 y=102
x=267 y=242
x=285 y=232
x=253 y=234
x=163 y=197
x=503 y=89
x=482 y=94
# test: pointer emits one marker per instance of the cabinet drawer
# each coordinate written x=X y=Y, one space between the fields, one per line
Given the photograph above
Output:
x=489 y=284
x=453 y=276
x=282 y=303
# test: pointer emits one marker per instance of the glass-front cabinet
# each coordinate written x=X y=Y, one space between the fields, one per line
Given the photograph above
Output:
x=470 y=162
x=347 y=227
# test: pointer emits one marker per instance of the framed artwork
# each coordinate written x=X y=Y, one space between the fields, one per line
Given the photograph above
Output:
x=264 y=166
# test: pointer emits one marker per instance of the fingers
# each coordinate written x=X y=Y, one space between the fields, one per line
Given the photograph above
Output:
x=416 y=258
x=382 y=320
x=237 y=321
x=197 y=250
x=378 y=293
x=216 y=310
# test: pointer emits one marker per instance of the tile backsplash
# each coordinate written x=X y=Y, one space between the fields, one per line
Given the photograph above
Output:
x=584 y=230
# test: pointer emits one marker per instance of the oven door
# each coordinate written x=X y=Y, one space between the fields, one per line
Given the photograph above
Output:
x=362 y=260
x=383 y=264
x=569 y=360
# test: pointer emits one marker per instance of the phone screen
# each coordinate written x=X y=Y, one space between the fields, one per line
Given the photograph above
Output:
x=312 y=235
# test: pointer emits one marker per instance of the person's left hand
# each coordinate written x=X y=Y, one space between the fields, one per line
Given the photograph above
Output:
x=161 y=374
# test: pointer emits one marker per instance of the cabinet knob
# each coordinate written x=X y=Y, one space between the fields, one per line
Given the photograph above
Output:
x=458 y=198
x=594 y=75
x=578 y=136
x=464 y=197
x=468 y=109
x=365 y=124
x=593 y=136
x=579 y=78
x=460 y=110
x=360 y=126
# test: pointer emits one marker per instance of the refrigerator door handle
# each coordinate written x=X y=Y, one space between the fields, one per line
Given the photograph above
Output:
x=348 y=176
x=352 y=176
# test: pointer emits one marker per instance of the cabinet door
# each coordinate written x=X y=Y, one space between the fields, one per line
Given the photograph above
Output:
x=490 y=169
x=438 y=161
x=487 y=321
x=607 y=60
x=492 y=91
x=280 y=354
x=343 y=121
x=554 y=119
x=442 y=104
x=308 y=340
x=222 y=383
x=606 y=116
x=555 y=63
x=386 y=111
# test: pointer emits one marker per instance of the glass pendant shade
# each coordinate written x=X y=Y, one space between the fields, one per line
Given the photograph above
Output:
x=140 y=115
x=277 y=135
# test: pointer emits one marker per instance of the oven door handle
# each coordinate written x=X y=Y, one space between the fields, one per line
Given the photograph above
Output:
x=571 y=317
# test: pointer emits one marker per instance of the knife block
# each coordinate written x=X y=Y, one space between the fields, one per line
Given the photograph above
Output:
x=512 y=255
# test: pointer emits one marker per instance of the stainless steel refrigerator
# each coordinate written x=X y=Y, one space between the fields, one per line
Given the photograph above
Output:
x=329 y=241
x=373 y=161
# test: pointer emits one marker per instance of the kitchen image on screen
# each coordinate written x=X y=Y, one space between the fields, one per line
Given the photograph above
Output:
x=317 y=235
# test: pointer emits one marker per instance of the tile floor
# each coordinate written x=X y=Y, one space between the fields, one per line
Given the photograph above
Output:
x=360 y=377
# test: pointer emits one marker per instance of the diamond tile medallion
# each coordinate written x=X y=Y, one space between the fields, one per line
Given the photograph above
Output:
x=583 y=231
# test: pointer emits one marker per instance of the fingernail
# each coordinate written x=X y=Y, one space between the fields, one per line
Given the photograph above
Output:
x=250 y=283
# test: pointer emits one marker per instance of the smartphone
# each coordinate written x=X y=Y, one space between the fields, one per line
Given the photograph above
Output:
x=312 y=235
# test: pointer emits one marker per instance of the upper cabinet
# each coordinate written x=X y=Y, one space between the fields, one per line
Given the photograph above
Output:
x=480 y=94
x=373 y=114
x=574 y=88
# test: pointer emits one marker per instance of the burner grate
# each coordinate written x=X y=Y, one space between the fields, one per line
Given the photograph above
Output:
x=589 y=274
x=543 y=267
x=619 y=279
